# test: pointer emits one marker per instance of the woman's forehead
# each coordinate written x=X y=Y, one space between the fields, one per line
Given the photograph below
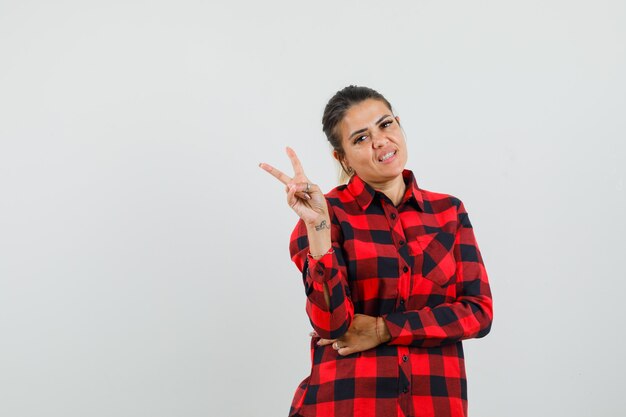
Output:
x=363 y=115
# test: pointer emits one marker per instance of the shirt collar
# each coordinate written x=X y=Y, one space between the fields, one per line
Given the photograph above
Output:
x=364 y=194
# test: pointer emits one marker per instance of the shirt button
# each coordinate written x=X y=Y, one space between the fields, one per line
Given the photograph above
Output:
x=402 y=243
x=393 y=216
x=405 y=269
x=401 y=302
x=405 y=358
x=405 y=390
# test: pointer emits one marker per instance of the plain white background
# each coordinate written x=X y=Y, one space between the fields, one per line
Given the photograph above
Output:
x=144 y=266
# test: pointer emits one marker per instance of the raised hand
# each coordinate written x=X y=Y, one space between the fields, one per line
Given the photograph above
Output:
x=304 y=197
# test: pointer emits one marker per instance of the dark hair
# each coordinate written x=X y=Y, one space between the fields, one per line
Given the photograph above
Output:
x=336 y=109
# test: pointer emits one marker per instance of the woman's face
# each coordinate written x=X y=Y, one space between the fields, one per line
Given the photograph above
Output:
x=373 y=142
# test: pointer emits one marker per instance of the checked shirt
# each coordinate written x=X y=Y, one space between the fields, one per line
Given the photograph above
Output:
x=419 y=267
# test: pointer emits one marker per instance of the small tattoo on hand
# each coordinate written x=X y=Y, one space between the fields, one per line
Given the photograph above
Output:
x=322 y=225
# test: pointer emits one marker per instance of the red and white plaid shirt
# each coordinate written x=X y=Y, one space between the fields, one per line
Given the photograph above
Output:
x=418 y=266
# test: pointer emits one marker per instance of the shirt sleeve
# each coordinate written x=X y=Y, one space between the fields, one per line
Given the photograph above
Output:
x=469 y=316
x=329 y=321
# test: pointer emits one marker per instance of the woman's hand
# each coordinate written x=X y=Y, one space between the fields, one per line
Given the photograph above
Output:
x=363 y=334
x=304 y=197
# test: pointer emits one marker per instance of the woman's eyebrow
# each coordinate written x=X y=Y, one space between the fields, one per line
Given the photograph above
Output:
x=365 y=129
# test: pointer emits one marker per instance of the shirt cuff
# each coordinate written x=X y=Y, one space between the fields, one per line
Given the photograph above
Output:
x=400 y=328
x=319 y=270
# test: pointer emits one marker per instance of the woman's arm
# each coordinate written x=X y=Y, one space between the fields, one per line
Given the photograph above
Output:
x=469 y=316
x=328 y=304
x=315 y=251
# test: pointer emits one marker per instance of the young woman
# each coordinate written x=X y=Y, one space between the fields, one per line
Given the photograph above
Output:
x=392 y=272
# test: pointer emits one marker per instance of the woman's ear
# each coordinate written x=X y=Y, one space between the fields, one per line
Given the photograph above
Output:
x=342 y=161
x=340 y=158
x=398 y=119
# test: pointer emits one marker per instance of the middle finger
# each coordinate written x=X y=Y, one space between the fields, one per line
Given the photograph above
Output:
x=295 y=162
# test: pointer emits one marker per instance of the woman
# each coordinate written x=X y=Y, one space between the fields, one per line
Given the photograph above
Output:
x=393 y=275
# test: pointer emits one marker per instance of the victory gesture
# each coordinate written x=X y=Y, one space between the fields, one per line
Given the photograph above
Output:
x=305 y=198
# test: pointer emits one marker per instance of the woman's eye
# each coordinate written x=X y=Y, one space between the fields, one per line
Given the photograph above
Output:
x=359 y=139
x=386 y=123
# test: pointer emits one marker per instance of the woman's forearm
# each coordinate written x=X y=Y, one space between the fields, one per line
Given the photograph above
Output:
x=319 y=237
x=320 y=242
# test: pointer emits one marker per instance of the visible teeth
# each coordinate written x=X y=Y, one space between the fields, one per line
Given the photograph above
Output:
x=387 y=156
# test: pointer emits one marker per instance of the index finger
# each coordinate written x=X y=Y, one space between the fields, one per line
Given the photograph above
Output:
x=326 y=342
x=278 y=174
x=295 y=162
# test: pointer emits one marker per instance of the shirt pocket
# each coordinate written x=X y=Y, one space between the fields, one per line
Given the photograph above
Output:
x=437 y=261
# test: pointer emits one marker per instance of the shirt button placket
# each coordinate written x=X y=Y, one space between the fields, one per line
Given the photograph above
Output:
x=404 y=387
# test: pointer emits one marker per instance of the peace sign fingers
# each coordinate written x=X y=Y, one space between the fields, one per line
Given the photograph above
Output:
x=304 y=197
x=302 y=187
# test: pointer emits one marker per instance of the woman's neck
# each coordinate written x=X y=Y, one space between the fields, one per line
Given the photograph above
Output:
x=393 y=189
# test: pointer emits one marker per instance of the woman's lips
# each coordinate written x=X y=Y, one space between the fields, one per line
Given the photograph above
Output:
x=388 y=157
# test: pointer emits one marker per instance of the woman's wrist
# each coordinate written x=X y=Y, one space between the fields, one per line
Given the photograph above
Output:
x=318 y=234
x=320 y=224
x=382 y=332
x=320 y=256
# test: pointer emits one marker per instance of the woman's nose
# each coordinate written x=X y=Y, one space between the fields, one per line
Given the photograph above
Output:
x=379 y=140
